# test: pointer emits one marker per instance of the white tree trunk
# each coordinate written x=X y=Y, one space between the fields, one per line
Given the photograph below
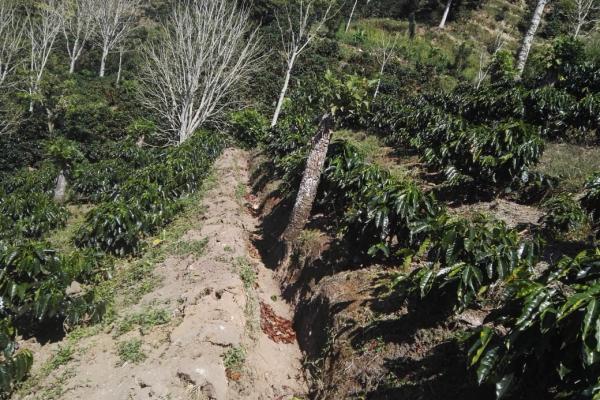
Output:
x=445 y=16
x=351 y=14
x=296 y=34
x=103 y=62
x=307 y=191
x=379 y=81
x=577 y=30
x=50 y=120
x=60 y=191
x=528 y=38
x=73 y=55
x=72 y=66
x=284 y=89
x=120 y=66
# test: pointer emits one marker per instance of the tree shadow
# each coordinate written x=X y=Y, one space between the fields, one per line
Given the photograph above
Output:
x=439 y=375
x=48 y=331
x=417 y=314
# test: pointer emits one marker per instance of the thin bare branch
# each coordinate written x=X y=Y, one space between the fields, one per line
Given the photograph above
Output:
x=12 y=30
x=42 y=28
x=78 y=27
x=298 y=27
x=114 y=21
x=190 y=76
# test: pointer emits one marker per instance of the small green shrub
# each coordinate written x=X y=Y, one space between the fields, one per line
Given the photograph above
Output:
x=247 y=273
x=562 y=214
x=144 y=320
x=15 y=364
x=131 y=351
x=63 y=152
x=591 y=197
x=549 y=331
x=234 y=359
x=32 y=213
x=248 y=127
x=35 y=279
x=118 y=227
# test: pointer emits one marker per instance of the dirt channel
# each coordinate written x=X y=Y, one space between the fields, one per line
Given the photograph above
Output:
x=226 y=332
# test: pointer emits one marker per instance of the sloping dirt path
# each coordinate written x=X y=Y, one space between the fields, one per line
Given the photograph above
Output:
x=212 y=346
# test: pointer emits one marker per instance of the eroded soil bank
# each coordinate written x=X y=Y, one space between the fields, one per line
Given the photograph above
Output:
x=358 y=343
x=210 y=323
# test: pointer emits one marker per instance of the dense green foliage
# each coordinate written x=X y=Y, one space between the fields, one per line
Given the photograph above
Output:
x=15 y=363
x=591 y=198
x=548 y=337
x=563 y=214
x=389 y=217
x=147 y=199
x=544 y=334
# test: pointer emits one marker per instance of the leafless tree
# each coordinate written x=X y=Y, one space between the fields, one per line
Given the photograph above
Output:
x=385 y=53
x=298 y=27
x=351 y=15
x=529 y=35
x=43 y=28
x=445 y=15
x=190 y=75
x=115 y=19
x=11 y=40
x=9 y=117
x=484 y=68
x=584 y=14
x=78 y=27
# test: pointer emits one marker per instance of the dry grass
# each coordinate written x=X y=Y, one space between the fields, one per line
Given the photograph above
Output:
x=572 y=163
x=373 y=150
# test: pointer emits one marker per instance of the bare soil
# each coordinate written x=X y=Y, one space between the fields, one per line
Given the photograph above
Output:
x=214 y=302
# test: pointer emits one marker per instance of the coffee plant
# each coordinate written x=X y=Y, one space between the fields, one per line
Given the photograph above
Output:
x=591 y=197
x=378 y=208
x=135 y=207
x=32 y=213
x=546 y=342
x=562 y=214
x=35 y=278
x=15 y=363
x=468 y=256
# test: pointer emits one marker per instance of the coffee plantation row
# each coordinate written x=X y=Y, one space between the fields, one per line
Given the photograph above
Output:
x=134 y=192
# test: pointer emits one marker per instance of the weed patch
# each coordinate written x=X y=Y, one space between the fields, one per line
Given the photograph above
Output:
x=131 y=351
x=145 y=320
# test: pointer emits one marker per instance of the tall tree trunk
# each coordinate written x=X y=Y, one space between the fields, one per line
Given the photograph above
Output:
x=284 y=89
x=309 y=184
x=378 y=81
x=50 y=120
x=412 y=25
x=74 y=56
x=577 y=30
x=528 y=38
x=445 y=16
x=120 y=65
x=32 y=91
x=351 y=14
x=60 y=191
x=72 y=66
x=103 y=63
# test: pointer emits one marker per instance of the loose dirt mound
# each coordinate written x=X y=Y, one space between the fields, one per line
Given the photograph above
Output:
x=211 y=345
